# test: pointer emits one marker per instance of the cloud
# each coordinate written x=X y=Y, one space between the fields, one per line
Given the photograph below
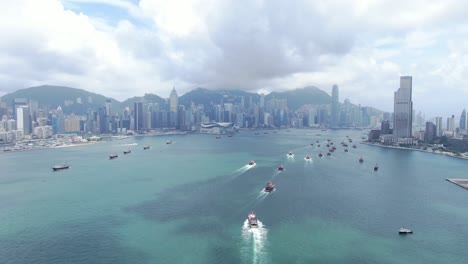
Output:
x=255 y=45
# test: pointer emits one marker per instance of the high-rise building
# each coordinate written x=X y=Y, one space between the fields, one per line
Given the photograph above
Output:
x=451 y=125
x=108 y=107
x=23 y=120
x=335 y=107
x=138 y=116
x=173 y=109
x=17 y=102
x=430 y=132
x=403 y=109
x=439 y=126
x=463 y=120
x=385 y=128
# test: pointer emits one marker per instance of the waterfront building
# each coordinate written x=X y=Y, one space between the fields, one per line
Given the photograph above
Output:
x=23 y=120
x=216 y=127
x=403 y=109
x=385 y=127
x=335 y=107
x=430 y=132
x=463 y=120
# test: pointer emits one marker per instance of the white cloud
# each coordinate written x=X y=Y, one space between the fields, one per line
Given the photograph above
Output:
x=258 y=45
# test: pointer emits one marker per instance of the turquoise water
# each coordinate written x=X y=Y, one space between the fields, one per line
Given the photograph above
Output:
x=187 y=203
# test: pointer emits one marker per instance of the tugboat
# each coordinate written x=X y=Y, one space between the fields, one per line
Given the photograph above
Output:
x=252 y=220
x=269 y=187
x=376 y=167
x=251 y=163
x=281 y=167
x=168 y=142
x=113 y=156
x=127 y=151
x=146 y=147
x=307 y=157
x=404 y=231
x=60 y=167
x=361 y=160
x=320 y=154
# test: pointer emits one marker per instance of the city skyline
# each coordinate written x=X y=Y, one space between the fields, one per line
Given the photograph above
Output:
x=122 y=48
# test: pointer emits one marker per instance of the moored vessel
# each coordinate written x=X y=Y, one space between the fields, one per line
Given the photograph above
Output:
x=60 y=167
x=127 y=151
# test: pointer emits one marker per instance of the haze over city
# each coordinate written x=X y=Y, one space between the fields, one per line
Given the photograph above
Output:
x=126 y=48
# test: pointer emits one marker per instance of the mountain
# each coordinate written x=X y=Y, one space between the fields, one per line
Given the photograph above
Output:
x=55 y=96
x=302 y=96
x=147 y=98
x=207 y=97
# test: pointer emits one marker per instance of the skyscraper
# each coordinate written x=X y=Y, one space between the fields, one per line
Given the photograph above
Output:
x=173 y=109
x=439 y=126
x=138 y=116
x=463 y=120
x=403 y=109
x=335 y=107
x=23 y=120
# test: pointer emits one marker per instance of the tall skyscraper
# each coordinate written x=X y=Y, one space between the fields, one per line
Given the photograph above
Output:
x=335 y=107
x=138 y=116
x=451 y=124
x=173 y=109
x=463 y=120
x=403 y=109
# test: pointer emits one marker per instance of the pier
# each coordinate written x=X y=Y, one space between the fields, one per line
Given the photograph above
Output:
x=460 y=182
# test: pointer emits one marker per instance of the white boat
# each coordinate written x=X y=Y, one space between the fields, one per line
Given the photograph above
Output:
x=405 y=231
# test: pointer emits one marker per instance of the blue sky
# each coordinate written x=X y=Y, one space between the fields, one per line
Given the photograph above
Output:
x=123 y=48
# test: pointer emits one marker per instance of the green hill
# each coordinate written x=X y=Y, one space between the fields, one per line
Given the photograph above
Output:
x=147 y=98
x=302 y=96
x=55 y=96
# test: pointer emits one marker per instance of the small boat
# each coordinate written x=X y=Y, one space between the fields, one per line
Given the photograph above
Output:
x=376 y=167
x=331 y=150
x=218 y=137
x=281 y=167
x=290 y=155
x=320 y=154
x=345 y=150
x=113 y=156
x=168 y=142
x=361 y=160
x=229 y=135
x=146 y=147
x=269 y=187
x=404 y=231
x=127 y=151
x=328 y=145
x=318 y=145
x=265 y=133
x=256 y=133
x=316 y=141
x=331 y=143
x=312 y=144
x=328 y=153
x=307 y=157
x=60 y=167
x=354 y=146
x=252 y=162
x=350 y=140
x=252 y=220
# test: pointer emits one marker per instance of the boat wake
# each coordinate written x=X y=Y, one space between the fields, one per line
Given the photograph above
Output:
x=253 y=249
x=129 y=144
x=243 y=169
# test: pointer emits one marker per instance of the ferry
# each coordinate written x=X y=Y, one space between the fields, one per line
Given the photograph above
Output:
x=113 y=156
x=168 y=142
x=404 y=231
x=269 y=187
x=376 y=167
x=252 y=162
x=146 y=147
x=281 y=167
x=361 y=160
x=60 y=167
x=252 y=220
x=127 y=151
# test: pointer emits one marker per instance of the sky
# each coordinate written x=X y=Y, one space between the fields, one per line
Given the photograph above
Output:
x=126 y=48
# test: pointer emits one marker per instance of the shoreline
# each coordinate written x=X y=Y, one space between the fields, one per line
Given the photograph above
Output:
x=53 y=147
x=447 y=154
